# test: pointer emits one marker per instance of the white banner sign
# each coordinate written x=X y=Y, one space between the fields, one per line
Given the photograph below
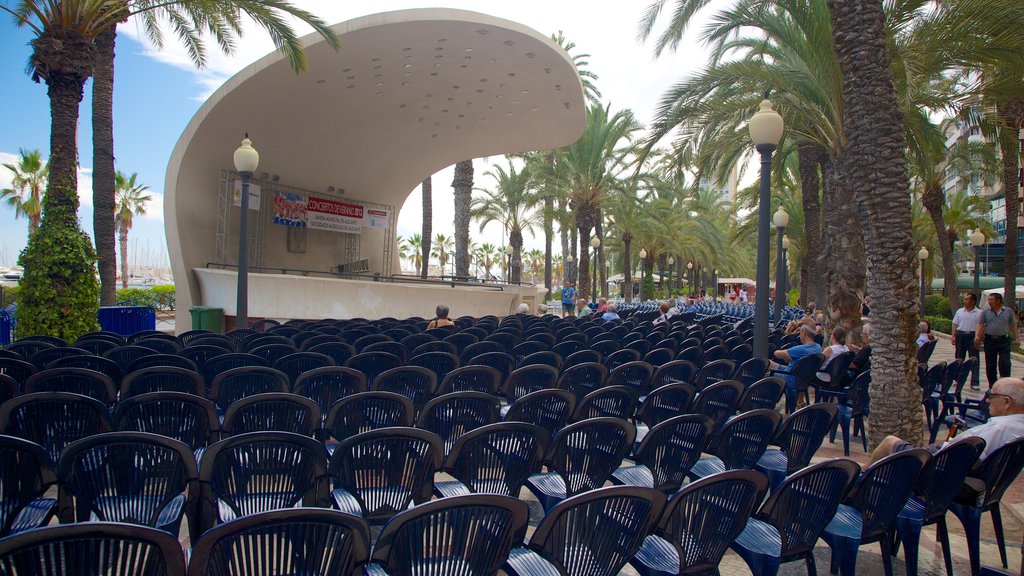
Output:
x=374 y=218
x=254 y=195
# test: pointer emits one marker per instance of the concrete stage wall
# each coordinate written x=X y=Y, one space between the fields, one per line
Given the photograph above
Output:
x=286 y=297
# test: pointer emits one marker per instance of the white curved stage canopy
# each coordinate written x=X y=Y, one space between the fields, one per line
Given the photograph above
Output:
x=342 y=146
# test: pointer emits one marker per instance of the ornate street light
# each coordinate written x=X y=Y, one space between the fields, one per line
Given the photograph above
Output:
x=765 y=127
x=781 y=220
x=785 y=270
x=715 y=292
x=246 y=159
x=508 y=258
x=643 y=266
x=671 y=263
x=922 y=255
x=595 y=243
x=977 y=240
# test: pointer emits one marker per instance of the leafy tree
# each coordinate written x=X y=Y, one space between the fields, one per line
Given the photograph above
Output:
x=511 y=203
x=131 y=200
x=27 y=185
x=444 y=247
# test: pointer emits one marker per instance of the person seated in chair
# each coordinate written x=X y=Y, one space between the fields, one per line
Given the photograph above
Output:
x=663 y=315
x=837 y=345
x=792 y=355
x=1006 y=424
x=582 y=310
x=610 y=313
x=440 y=318
x=925 y=336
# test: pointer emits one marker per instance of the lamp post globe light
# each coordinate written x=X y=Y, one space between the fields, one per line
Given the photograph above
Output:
x=977 y=240
x=785 y=270
x=765 y=128
x=508 y=259
x=568 y=269
x=671 y=263
x=595 y=243
x=689 y=277
x=246 y=159
x=716 y=286
x=922 y=255
x=643 y=266
x=781 y=220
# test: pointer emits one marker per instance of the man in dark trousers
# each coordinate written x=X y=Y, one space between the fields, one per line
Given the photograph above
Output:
x=965 y=326
x=998 y=329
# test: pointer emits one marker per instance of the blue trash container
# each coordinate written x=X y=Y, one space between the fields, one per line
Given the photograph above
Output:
x=127 y=320
x=5 y=328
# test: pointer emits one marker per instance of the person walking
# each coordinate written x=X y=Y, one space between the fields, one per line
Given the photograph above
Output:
x=998 y=328
x=965 y=326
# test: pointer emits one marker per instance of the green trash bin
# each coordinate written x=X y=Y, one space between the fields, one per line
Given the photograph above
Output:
x=205 y=318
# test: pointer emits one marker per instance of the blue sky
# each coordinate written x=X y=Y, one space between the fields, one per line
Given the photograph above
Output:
x=156 y=93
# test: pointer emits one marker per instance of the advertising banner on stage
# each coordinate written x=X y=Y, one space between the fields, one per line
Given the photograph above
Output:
x=290 y=209
x=254 y=195
x=323 y=214
x=375 y=218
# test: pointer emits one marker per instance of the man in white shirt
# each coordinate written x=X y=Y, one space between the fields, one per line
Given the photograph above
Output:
x=965 y=324
x=1006 y=424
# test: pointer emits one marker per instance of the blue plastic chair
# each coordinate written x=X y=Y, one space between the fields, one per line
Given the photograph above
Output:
x=295 y=541
x=671 y=372
x=183 y=417
x=751 y=371
x=938 y=484
x=53 y=419
x=500 y=361
x=853 y=404
x=327 y=385
x=440 y=363
x=712 y=372
x=295 y=364
x=931 y=387
x=790 y=522
x=583 y=379
x=739 y=444
x=803 y=373
x=549 y=409
x=983 y=491
x=610 y=401
x=494 y=459
x=764 y=393
x=699 y=523
x=74 y=380
x=378 y=473
x=591 y=534
x=162 y=379
x=799 y=437
x=373 y=364
x=869 y=512
x=665 y=402
x=718 y=401
x=636 y=375
x=233 y=385
x=452 y=415
x=471 y=379
x=367 y=411
x=414 y=382
x=667 y=453
x=582 y=457
x=274 y=411
x=461 y=535
x=527 y=379
x=26 y=473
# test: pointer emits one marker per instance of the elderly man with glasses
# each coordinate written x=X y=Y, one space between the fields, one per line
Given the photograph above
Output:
x=1006 y=407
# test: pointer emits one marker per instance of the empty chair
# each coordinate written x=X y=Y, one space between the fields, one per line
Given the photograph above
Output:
x=635 y=375
x=605 y=347
x=549 y=409
x=699 y=523
x=581 y=457
x=583 y=379
x=184 y=417
x=327 y=385
x=617 y=519
x=718 y=401
x=378 y=473
x=740 y=353
x=440 y=363
x=799 y=437
x=751 y=370
x=853 y=406
x=527 y=379
x=542 y=358
x=715 y=353
x=692 y=354
x=263 y=544
x=160 y=360
x=26 y=473
x=200 y=354
x=867 y=515
x=95 y=346
x=494 y=459
x=159 y=345
x=765 y=393
x=477 y=348
x=74 y=380
x=260 y=471
x=294 y=365
x=274 y=411
x=8 y=388
x=92 y=548
x=500 y=361
x=367 y=411
x=45 y=356
x=435 y=346
x=150 y=334
x=739 y=444
x=53 y=419
x=124 y=355
x=567 y=347
x=393 y=348
x=715 y=371
x=471 y=379
x=237 y=383
x=26 y=348
x=616 y=359
x=131 y=477
x=581 y=357
x=789 y=523
x=529 y=347
x=667 y=453
x=659 y=356
x=416 y=340
x=215 y=366
x=162 y=379
x=609 y=401
x=307 y=341
x=641 y=346
x=97 y=363
x=452 y=415
x=339 y=351
x=363 y=341
x=273 y=352
x=469 y=534
x=373 y=364
x=414 y=382
x=663 y=403
x=20 y=370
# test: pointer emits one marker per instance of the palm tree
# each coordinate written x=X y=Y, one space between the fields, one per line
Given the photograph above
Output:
x=26 y=192
x=415 y=251
x=485 y=256
x=190 y=18
x=131 y=200
x=511 y=204
x=876 y=168
x=462 y=187
x=428 y=225
x=444 y=247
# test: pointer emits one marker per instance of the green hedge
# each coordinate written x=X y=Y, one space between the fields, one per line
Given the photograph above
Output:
x=939 y=324
x=159 y=297
x=937 y=305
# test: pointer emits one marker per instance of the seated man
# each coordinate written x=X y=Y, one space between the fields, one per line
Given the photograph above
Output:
x=582 y=310
x=690 y=306
x=862 y=361
x=663 y=315
x=1006 y=424
x=925 y=335
x=602 y=305
x=806 y=347
x=610 y=313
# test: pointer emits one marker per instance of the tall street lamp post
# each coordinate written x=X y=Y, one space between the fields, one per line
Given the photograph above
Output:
x=781 y=220
x=765 y=131
x=568 y=269
x=715 y=292
x=508 y=259
x=595 y=243
x=689 y=277
x=247 y=159
x=643 y=271
x=977 y=240
x=785 y=270
x=671 y=263
x=922 y=255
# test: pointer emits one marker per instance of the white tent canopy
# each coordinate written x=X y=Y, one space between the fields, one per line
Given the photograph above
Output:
x=984 y=295
x=636 y=278
x=744 y=281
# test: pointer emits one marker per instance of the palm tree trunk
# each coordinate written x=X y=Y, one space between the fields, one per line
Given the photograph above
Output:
x=549 y=230
x=516 y=241
x=627 y=268
x=575 y=265
x=934 y=200
x=1012 y=115
x=428 y=224
x=103 y=164
x=122 y=238
x=462 y=186
x=876 y=168
x=602 y=273
x=811 y=280
x=583 y=224
x=843 y=236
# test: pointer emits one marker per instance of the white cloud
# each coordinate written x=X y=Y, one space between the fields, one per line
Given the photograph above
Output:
x=84 y=178
x=155 y=207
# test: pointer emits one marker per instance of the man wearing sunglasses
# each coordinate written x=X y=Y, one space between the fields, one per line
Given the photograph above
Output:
x=1006 y=424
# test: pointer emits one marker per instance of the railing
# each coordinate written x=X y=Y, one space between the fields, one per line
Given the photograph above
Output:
x=452 y=281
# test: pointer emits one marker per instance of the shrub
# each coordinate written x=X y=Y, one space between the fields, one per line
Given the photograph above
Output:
x=940 y=324
x=164 y=296
x=9 y=295
x=60 y=292
x=937 y=305
x=159 y=297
